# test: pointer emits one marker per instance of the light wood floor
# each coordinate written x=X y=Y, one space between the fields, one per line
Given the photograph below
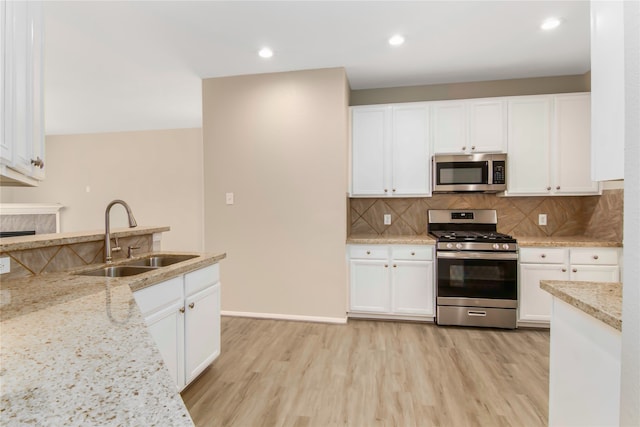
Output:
x=372 y=373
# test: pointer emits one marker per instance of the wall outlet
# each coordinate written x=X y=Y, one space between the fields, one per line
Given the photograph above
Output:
x=387 y=219
x=228 y=197
x=5 y=265
x=542 y=219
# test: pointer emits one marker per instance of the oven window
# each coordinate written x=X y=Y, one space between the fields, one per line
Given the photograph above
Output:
x=475 y=278
x=462 y=173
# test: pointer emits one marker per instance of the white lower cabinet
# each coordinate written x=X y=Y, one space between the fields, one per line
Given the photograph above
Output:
x=391 y=281
x=183 y=316
x=575 y=264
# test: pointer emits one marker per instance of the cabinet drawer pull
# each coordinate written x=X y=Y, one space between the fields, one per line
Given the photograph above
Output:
x=596 y=257
x=575 y=270
x=181 y=310
x=543 y=256
x=192 y=305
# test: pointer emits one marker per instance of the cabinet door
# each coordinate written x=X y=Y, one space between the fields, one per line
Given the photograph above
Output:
x=410 y=151
x=369 y=286
x=595 y=273
x=534 y=303
x=529 y=121
x=370 y=133
x=5 y=106
x=36 y=90
x=572 y=145
x=167 y=329
x=449 y=124
x=487 y=126
x=202 y=330
x=412 y=287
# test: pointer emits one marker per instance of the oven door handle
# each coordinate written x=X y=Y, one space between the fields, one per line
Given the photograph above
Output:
x=477 y=255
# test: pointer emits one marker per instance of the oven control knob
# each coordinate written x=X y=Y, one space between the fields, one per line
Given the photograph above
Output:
x=505 y=246
x=458 y=245
x=496 y=246
x=449 y=245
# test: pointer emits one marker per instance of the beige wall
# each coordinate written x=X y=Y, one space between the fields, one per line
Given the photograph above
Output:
x=158 y=173
x=279 y=142
x=531 y=86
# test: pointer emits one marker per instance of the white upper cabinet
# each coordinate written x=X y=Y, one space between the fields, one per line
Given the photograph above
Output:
x=390 y=150
x=528 y=158
x=469 y=126
x=572 y=145
x=607 y=90
x=22 y=130
x=549 y=145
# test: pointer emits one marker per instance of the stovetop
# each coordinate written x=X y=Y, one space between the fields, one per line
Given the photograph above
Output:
x=473 y=236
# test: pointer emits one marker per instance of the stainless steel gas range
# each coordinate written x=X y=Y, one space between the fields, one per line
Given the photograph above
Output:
x=476 y=270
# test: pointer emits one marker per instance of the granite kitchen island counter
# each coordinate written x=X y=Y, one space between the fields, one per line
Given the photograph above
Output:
x=75 y=350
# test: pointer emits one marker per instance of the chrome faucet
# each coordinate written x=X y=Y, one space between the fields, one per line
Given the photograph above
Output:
x=107 y=228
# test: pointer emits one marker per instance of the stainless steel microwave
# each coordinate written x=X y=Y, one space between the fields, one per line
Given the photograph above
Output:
x=485 y=173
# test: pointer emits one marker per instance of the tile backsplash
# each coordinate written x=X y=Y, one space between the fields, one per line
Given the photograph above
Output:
x=592 y=216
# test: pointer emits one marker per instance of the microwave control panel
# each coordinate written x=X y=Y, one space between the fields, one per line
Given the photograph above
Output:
x=499 y=172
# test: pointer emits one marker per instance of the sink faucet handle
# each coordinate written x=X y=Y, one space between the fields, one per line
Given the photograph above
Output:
x=116 y=247
x=130 y=251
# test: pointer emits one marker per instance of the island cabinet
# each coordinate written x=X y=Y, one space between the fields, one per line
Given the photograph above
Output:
x=469 y=126
x=391 y=281
x=576 y=264
x=549 y=149
x=183 y=316
x=390 y=150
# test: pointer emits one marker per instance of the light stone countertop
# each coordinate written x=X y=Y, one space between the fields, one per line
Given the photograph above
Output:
x=600 y=300
x=19 y=243
x=566 y=241
x=76 y=351
x=367 y=239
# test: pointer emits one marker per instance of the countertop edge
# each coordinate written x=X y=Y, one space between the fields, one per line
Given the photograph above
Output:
x=565 y=291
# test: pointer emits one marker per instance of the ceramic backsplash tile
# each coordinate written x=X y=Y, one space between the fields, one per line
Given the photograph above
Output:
x=593 y=216
x=64 y=257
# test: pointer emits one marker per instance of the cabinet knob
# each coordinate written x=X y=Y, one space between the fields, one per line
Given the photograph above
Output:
x=575 y=270
x=557 y=187
x=38 y=162
x=394 y=190
x=368 y=252
x=413 y=253
x=394 y=266
x=548 y=188
x=181 y=310
x=386 y=191
x=192 y=305
x=473 y=147
x=386 y=265
x=564 y=270
x=464 y=148
x=543 y=256
x=596 y=257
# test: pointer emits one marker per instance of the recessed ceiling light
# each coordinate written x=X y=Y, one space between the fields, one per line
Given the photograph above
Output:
x=550 y=23
x=396 y=40
x=265 y=52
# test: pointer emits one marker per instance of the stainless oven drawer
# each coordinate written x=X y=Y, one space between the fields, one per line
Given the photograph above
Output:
x=477 y=316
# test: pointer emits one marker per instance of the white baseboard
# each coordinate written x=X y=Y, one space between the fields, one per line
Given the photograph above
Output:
x=273 y=316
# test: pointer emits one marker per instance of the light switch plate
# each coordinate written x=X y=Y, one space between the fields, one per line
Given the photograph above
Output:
x=229 y=198
x=5 y=265
x=387 y=219
x=542 y=219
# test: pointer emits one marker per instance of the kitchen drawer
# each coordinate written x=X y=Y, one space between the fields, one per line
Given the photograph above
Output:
x=594 y=256
x=155 y=297
x=410 y=253
x=199 y=279
x=544 y=255
x=369 y=252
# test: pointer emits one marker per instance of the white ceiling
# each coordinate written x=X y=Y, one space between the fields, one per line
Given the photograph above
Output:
x=117 y=66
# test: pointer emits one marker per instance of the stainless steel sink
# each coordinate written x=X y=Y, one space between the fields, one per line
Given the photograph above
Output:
x=160 y=260
x=117 y=271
